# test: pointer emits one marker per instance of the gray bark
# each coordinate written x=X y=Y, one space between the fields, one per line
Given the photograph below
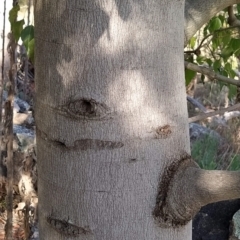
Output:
x=199 y=12
x=106 y=114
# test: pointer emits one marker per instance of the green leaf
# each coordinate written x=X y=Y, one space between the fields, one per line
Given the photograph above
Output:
x=232 y=91
x=215 y=24
x=228 y=68
x=13 y=14
x=189 y=75
x=232 y=73
x=215 y=43
x=200 y=59
x=27 y=35
x=217 y=65
x=224 y=73
x=227 y=52
x=17 y=28
x=225 y=39
x=192 y=42
x=30 y=50
x=238 y=8
x=209 y=62
x=237 y=53
x=235 y=44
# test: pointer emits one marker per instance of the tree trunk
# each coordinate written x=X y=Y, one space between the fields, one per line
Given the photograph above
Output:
x=111 y=114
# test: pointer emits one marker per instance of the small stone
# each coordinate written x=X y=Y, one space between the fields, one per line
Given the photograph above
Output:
x=236 y=226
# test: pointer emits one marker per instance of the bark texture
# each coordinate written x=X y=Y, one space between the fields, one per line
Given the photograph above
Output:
x=111 y=114
x=199 y=12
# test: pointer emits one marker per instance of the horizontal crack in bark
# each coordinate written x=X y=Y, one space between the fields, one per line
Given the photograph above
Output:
x=82 y=144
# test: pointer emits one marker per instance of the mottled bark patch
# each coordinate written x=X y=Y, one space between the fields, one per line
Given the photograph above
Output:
x=66 y=228
x=85 y=109
x=161 y=212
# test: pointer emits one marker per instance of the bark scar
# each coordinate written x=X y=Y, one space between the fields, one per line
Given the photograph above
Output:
x=163 y=131
x=66 y=228
x=85 y=108
x=82 y=144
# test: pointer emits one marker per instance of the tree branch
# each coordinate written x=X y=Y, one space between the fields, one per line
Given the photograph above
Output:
x=185 y=188
x=232 y=19
x=210 y=73
x=197 y=104
x=200 y=45
x=197 y=50
x=211 y=114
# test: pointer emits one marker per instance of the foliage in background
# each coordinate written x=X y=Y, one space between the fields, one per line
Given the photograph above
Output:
x=216 y=45
x=235 y=163
x=205 y=153
x=16 y=19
